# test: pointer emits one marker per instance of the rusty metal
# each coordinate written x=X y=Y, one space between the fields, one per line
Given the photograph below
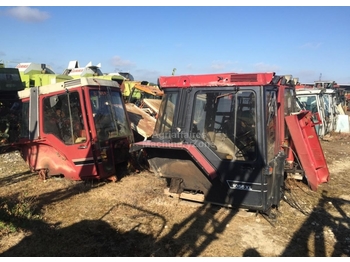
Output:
x=43 y=174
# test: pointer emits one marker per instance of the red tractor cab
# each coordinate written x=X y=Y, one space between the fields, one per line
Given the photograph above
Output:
x=78 y=129
x=232 y=139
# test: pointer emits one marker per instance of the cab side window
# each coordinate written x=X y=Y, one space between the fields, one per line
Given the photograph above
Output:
x=63 y=118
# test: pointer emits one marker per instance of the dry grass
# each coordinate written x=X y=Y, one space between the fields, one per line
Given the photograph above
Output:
x=133 y=217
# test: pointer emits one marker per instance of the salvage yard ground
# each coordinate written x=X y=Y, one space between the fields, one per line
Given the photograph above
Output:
x=133 y=217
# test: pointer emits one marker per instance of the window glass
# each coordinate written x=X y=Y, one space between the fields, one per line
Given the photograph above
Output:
x=309 y=102
x=290 y=103
x=109 y=114
x=165 y=119
x=226 y=122
x=63 y=118
x=24 y=122
x=271 y=110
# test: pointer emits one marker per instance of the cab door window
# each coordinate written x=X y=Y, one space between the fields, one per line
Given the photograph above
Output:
x=63 y=118
x=226 y=122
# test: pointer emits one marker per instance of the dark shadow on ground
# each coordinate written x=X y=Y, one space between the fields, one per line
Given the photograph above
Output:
x=319 y=223
x=86 y=238
x=15 y=178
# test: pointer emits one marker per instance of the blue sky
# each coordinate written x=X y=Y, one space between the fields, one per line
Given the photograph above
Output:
x=308 y=42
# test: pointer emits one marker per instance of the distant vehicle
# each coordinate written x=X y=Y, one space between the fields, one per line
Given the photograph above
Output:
x=10 y=84
x=332 y=85
x=322 y=101
x=34 y=74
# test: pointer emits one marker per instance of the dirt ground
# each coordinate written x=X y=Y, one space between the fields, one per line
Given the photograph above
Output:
x=133 y=217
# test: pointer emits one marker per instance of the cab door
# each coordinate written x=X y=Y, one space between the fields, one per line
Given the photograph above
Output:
x=66 y=136
x=110 y=128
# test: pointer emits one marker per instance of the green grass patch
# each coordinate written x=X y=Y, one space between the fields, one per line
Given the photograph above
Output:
x=16 y=212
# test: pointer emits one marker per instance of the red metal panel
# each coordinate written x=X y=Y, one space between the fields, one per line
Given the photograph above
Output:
x=191 y=149
x=219 y=79
x=308 y=148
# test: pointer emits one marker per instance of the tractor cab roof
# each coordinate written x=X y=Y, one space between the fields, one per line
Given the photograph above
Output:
x=224 y=79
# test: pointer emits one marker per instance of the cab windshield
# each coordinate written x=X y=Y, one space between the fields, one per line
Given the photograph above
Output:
x=109 y=114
